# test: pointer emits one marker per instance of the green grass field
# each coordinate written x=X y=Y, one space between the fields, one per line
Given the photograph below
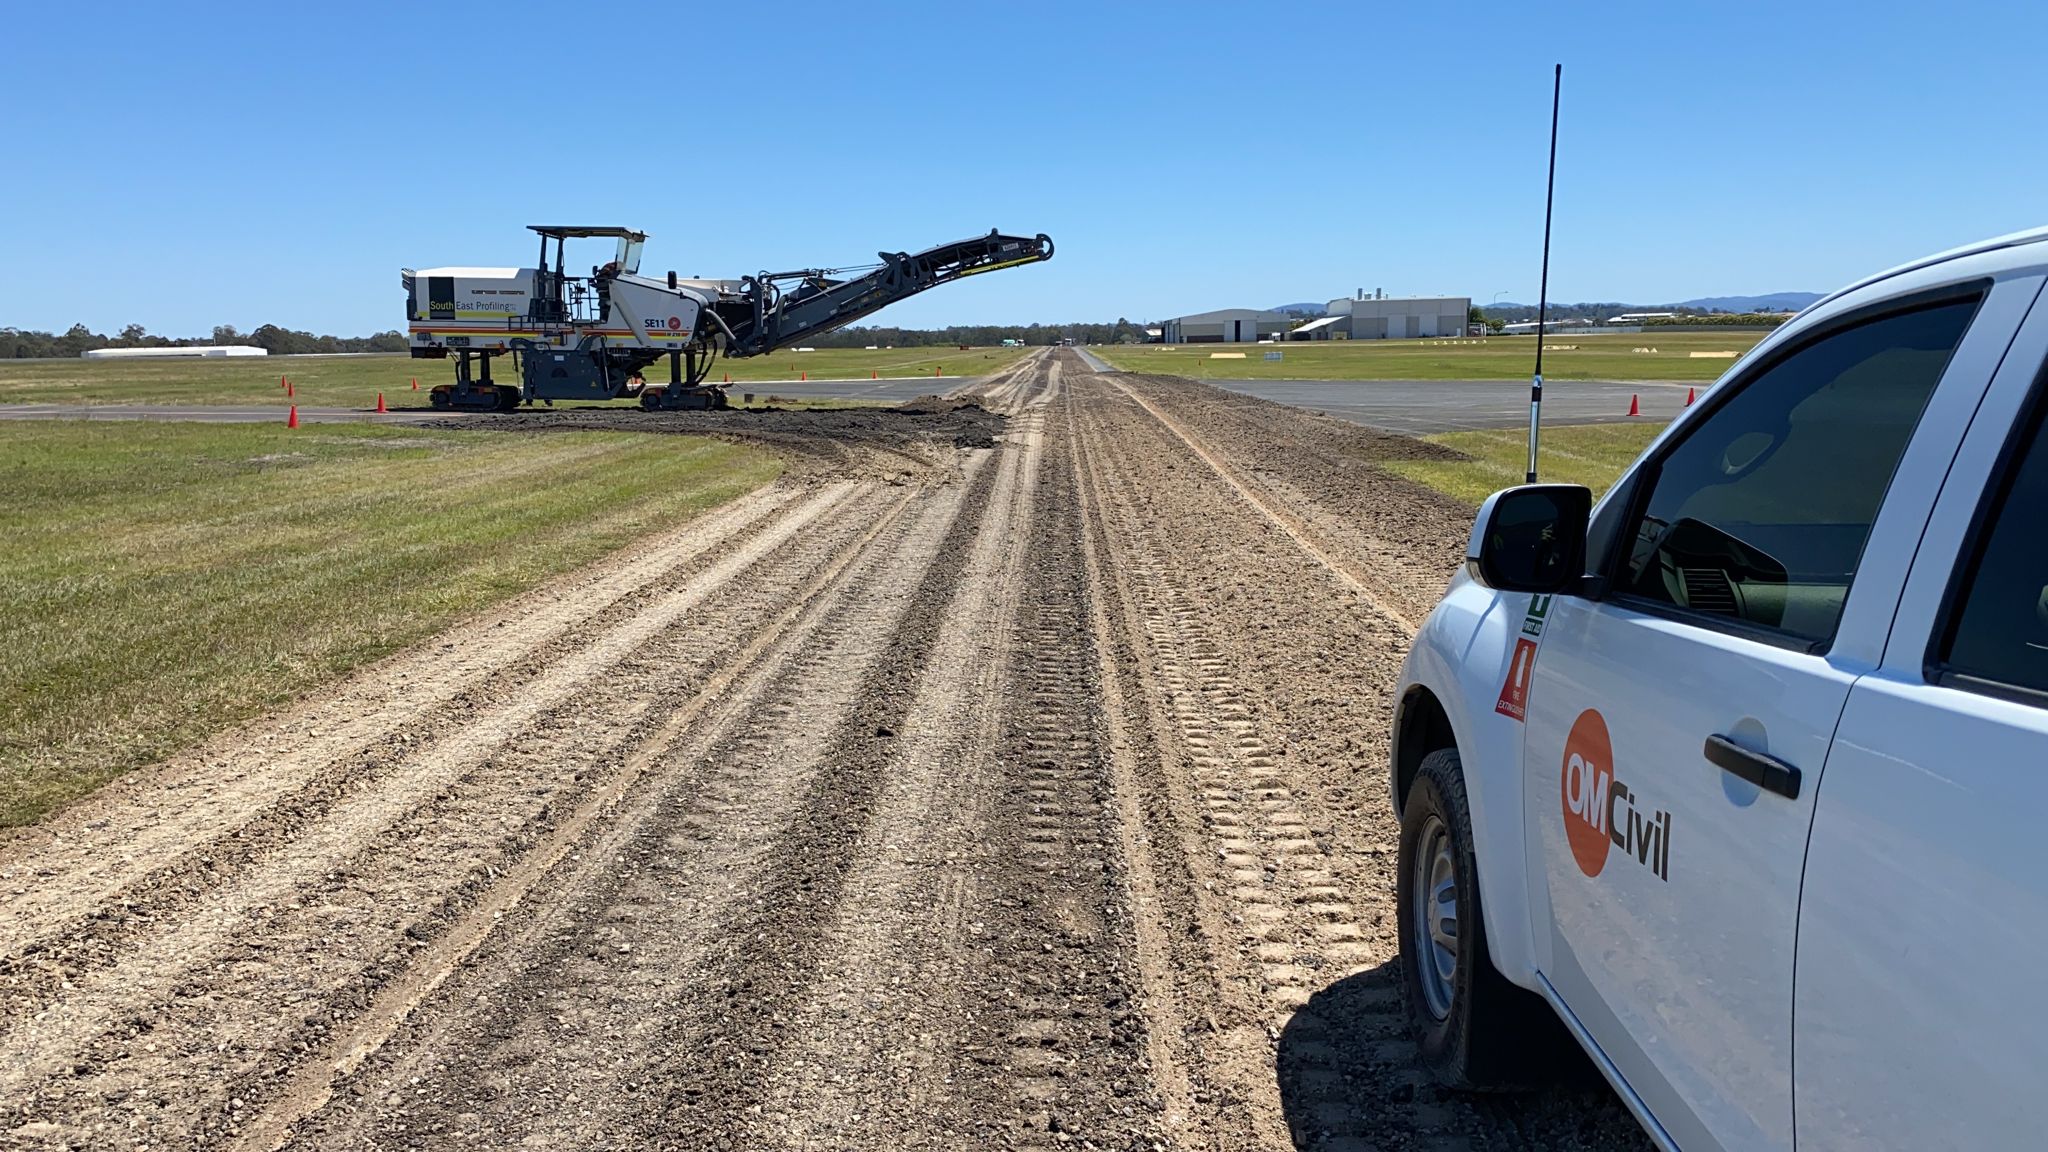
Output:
x=163 y=581
x=1601 y=357
x=354 y=381
x=1589 y=454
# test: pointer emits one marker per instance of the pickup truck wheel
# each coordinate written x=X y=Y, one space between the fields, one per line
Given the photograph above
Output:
x=1475 y=1030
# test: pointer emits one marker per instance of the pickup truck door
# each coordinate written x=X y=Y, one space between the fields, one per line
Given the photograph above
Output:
x=1677 y=724
x=1919 y=1007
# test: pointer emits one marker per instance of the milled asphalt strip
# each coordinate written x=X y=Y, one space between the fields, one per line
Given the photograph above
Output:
x=1427 y=407
x=1095 y=363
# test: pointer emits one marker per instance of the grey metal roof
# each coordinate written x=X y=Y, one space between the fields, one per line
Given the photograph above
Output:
x=1231 y=314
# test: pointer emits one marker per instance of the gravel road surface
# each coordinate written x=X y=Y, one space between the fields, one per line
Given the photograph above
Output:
x=1009 y=776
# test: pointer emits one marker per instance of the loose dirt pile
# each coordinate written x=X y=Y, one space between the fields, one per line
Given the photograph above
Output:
x=1026 y=797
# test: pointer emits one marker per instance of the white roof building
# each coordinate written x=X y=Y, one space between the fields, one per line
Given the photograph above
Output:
x=206 y=350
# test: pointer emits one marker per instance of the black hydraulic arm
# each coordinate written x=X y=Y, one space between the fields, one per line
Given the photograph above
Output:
x=785 y=308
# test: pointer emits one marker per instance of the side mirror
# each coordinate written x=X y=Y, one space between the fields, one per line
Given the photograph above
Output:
x=1531 y=538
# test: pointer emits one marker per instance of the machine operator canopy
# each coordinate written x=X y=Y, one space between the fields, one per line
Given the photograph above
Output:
x=628 y=257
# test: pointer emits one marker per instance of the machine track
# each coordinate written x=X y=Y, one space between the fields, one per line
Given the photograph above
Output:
x=935 y=797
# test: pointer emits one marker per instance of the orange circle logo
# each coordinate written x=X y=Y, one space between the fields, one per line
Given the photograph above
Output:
x=675 y=323
x=1586 y=787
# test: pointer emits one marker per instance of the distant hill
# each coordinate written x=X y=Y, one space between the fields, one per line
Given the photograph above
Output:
x=1770 y=302
x=1508 y=309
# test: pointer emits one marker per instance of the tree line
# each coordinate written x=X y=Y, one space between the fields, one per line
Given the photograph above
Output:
x=1719 y=319
x=20 y=343
x=1522 y=313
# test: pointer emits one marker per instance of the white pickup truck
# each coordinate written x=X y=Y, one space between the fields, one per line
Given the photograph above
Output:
x=1742 y=774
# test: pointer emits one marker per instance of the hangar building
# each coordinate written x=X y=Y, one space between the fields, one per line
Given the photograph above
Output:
x=1227 y=326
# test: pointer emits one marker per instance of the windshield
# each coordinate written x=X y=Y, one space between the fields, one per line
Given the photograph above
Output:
x=629 y=255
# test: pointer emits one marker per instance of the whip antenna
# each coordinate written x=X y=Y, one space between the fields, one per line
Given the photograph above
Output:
x=1543 y=290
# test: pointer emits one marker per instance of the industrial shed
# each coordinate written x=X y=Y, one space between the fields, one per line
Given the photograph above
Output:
x=1403 y=318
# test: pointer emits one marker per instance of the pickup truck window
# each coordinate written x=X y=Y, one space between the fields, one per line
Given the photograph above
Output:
x=2000 y=627
x=1759 y=514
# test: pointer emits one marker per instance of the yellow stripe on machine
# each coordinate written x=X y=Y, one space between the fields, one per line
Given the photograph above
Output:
x=1032 y=259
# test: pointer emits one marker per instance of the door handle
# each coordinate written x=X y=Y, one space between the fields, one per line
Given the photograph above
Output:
x=1766 y=772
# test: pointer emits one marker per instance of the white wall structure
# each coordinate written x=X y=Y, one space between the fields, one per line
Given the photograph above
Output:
x=208 y=350
x=1403 y=317
x=1327 y=328
x=1226 y=326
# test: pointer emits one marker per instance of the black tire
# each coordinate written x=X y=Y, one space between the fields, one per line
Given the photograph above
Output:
x=1494 y=1035
x=438 y=400
x=508 y=399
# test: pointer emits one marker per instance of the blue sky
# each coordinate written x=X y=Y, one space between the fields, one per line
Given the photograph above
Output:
x=279 y=163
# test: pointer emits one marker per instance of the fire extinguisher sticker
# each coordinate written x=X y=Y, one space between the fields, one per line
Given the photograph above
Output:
x=1514 y=694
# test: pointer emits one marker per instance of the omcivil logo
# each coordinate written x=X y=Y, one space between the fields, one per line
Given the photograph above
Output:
x=1600 y=811
x=675 y=323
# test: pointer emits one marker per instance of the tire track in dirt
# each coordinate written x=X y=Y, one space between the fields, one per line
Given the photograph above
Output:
x=976 y=984
x=1166 y=940
x=1322 y=474
x=577 y=1045
x=872 y=1057
x=999 y=392
x=1272 y=510
x=302 y=946
x=1064 y=1055
x=1257 y=667
x=566 y=1008
x=728 y=1024
x=1274 y=905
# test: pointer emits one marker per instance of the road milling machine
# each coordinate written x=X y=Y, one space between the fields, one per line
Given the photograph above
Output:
x=594 y=337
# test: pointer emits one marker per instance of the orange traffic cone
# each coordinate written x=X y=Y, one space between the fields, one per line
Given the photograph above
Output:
x=289 y=390
x=1635 y=407
x=874 y=374
x=806 y=375
x=938 y=368
x=415 y=383
x=1688 y=397
x=292 y=421
x=283 y=382
x=380 y=403
x=728 y=377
